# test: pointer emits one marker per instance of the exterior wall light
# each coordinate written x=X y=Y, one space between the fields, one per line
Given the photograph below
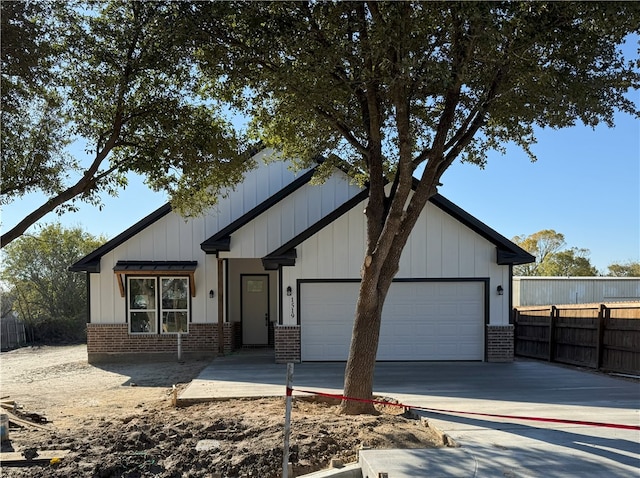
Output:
x=289 y=291
x=500 y=290
x=211 y=294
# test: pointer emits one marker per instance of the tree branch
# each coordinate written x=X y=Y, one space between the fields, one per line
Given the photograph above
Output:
x=344 y=130
x=373 y=125
x=88 y=179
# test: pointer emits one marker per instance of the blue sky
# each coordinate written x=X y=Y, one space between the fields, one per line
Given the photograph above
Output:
x=585 y=185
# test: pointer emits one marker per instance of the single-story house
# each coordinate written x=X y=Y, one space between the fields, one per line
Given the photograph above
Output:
x=277 y=263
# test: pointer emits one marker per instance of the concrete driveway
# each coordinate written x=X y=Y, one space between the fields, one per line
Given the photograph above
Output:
x=490 y=447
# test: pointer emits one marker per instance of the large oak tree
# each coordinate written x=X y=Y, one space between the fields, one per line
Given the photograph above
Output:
x=116 y=77
x=396 y=91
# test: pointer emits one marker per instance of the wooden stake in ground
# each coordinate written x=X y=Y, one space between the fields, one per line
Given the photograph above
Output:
x=287 y=423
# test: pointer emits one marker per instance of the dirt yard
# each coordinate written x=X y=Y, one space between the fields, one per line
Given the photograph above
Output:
x=117 y=420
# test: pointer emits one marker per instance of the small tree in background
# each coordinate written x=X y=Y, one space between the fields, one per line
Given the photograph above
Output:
x=551 y=257
x=542 y=245
x=7 y=298
x=625 y=269
x=46 y=296
x=572 y=262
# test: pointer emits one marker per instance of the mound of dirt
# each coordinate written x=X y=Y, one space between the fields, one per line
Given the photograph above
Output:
x=117 y=420
x=236 y=438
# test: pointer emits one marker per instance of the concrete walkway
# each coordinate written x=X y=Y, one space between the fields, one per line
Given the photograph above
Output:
x=489 y=447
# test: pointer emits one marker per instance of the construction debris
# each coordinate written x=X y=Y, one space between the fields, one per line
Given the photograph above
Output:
x=20 y=423
x=31 y=456
x=21 y=418
x=28 y=456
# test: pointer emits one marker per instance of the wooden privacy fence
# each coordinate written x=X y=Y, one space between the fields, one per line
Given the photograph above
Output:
x=12 y=334
x=599 y=336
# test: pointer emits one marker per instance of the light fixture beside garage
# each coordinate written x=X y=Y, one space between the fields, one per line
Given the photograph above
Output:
x=500 y=290
x=211 y=294
x=289 y=291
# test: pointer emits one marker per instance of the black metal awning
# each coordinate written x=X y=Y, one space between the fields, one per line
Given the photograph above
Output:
x=165 y=268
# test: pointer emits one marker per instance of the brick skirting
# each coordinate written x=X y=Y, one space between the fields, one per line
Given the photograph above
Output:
x=500 y=343
x=287 y=343
x=107 y=342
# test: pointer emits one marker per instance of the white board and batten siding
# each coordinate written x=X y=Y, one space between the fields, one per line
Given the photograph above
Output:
x=574 y=290
x=174 y=238
x=439 y=246
x=168 y=239
x=290 y=217
x=423 y=308
x=258 y=185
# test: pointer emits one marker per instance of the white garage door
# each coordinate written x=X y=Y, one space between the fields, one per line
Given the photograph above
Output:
x=420 y=321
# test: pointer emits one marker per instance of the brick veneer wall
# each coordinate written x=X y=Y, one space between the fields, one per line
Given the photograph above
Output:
x=287 y=343
x=500 y=343
x=229 y=332
x=113 y=341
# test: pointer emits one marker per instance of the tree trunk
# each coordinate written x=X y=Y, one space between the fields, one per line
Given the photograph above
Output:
x=358 y=377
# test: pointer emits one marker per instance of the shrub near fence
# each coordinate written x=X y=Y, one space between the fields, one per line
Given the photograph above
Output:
x=599 y=336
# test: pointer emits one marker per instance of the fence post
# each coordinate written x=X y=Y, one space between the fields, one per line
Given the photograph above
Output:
x=603 y=314
x=14 y=338
x=553 y=314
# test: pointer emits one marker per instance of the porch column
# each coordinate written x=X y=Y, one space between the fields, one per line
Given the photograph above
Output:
x=220 y=306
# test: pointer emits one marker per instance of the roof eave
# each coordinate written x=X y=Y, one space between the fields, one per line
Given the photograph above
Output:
x=273 y=262
x=219 y=245
x=90 y=266
x=511 y=258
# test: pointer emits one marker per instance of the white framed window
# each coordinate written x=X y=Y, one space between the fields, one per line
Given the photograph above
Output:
x=142 y=304
x=175 y=304
x=159 y=304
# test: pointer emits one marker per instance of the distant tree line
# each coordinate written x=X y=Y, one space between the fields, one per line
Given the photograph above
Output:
x=38 y=288
x=554 y=258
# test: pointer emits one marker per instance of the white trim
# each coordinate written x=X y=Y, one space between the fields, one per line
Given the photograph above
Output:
x=158 y=310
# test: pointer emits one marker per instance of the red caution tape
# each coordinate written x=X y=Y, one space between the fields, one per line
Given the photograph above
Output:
x=438 y=410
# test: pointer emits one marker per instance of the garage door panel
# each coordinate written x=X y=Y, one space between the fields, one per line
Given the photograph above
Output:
x=468 y=308
x=449 y=309
x=449 y=352
x=447 y=331
x=420 y=321
x=424 y=329
x=399 y=309
x=328 y=350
